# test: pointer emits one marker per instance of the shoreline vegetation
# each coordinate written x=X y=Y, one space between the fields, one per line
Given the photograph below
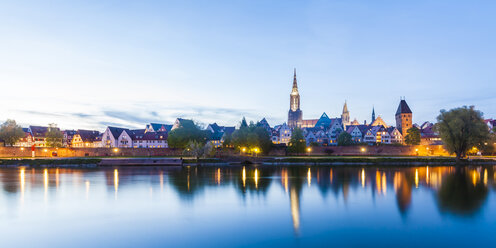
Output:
x=95 y=162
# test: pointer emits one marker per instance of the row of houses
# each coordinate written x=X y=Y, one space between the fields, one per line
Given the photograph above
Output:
x=154 y=135
x=323 y=131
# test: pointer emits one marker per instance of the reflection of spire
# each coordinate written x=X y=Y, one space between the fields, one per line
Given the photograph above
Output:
x=294 y=198
x=116 y=181
x=22 y=181
x=309 y=177
x=244 y=177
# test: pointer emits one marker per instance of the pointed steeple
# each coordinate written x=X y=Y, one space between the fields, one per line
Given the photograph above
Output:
x=345 y=107
x=373 y=114
x=295 y=83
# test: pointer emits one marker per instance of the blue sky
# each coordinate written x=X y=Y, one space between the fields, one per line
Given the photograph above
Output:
x=88 y=64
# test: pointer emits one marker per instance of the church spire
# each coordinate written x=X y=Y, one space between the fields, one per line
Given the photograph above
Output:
x=345 y=107
x=373 y=114
x=295 y=83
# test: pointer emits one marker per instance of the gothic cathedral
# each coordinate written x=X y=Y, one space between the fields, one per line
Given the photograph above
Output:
x=295 y=116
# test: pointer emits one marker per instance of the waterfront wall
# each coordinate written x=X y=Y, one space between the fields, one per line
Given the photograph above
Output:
x=434 y=150
x=89 y=152
x=280 y=151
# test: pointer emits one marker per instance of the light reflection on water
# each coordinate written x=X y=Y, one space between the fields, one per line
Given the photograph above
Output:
x=248 y=205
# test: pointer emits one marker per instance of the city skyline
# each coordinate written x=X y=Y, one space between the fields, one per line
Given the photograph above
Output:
x=89 y=64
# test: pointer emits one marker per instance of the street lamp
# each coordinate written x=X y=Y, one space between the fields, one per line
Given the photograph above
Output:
x=363 y=149
x=309 y=149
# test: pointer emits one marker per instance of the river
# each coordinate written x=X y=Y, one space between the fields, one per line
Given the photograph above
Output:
x=246 y=206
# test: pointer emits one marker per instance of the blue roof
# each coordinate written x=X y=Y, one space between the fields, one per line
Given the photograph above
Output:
x=324 y=121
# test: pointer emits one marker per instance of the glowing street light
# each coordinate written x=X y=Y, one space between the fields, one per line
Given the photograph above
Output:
x=256 y=150
x=363 y=149
x=309 y=149
x=116 y=150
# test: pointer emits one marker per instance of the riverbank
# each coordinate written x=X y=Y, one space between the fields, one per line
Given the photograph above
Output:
x=242 y=160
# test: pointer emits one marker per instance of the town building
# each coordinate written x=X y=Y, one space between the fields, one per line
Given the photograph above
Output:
x=27 y=140
x=157 y=127
x=68 y=135
x=217 y=134
x=403 y=117
x=379 y=122
x=140 y=138
x=281 y=134
x=377 y=134
x=181 y=122
x=111 y=135
x=86 y=139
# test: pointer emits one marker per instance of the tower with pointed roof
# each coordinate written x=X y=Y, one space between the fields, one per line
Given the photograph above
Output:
x=373 y=114
x=403 y=117
x=345 y=116
x=295 y=116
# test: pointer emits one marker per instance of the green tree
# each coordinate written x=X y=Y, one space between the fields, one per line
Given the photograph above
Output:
x=345 y=139
x=461 y=129
x=199 y=149
x=10 y=132
x=297 y=143
x=253 y=138
x=412 y=136
x=186 y=132
x=54 y=136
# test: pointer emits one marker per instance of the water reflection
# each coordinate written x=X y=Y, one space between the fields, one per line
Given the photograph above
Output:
x=457 y=191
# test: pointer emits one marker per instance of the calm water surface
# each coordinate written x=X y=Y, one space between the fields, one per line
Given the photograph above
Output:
x=248 y=206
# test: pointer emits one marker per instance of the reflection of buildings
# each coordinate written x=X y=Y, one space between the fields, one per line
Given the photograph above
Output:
x=294 y=198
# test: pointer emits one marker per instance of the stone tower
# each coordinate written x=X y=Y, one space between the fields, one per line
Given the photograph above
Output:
x=403 y=117
x=345 y=116
x=295 y=116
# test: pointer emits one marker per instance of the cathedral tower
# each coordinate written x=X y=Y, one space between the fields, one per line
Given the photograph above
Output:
x=403 y=117
x=295 y=115
x=345 y=116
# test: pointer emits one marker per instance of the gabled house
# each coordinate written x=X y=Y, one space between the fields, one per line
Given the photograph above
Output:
x=379 y=122
x=142 y=139
x=263 y=123
x=395 y=134
x=377 y=134
x=335 y=128
x=27 y=140
x=86 y=139
x=181 y=121
x=125 y=139
x=356 y=133
x=309 y=135
x=68 y=136
x=281 y=134
x=157 y=127
x=216 y=134
x=111 y=135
